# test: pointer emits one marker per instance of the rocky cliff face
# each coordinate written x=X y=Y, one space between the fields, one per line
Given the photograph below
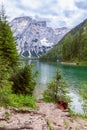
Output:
x=33 y=37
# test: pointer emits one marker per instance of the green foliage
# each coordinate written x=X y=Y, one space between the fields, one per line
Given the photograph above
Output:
x=8 y=51
x=20 y=101
x=83 y=63
x=73 y=47
x=4 y=95
x=4 y=74
x=7 y=98
x=71 y=112
x=83 y=93
x=56 y=90
x=24 y=81
x=52 y=55
x=6 y=115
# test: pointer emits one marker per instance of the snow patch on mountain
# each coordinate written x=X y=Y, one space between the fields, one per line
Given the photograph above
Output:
x=33 y=37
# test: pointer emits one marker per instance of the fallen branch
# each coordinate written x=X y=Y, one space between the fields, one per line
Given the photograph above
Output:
x=3 y=119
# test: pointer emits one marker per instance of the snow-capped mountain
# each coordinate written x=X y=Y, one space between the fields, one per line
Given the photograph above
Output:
x=33 y=37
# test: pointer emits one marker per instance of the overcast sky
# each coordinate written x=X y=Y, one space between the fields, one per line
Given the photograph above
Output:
x=57 y=13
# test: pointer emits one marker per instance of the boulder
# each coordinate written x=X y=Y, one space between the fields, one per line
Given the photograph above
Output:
x=62 y=105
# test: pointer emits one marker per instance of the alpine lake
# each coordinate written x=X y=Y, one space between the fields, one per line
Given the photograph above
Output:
x=74 y=76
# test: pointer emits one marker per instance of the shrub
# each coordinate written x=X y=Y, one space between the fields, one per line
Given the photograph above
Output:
x=7 y=98
x=24 y=81
x=21 y=101
x=16 y=100
x=56 y=90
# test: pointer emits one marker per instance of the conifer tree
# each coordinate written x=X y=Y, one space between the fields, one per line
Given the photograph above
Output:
x=8 y=51
x=56 y=90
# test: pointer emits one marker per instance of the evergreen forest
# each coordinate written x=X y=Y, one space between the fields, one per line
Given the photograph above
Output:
x=72 y=48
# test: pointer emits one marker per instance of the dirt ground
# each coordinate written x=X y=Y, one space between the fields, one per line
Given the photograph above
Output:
x=47 y=117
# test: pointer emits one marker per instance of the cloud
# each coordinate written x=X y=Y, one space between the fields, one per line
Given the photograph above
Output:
x=82 y=4
x=69 y=13
x=57 y=13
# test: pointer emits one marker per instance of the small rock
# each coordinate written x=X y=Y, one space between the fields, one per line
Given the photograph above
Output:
x=62 y=105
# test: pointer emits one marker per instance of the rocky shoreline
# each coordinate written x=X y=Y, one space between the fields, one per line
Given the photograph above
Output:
x=46 y=117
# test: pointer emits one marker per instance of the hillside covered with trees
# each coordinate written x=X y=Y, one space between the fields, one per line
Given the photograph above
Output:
x=73 y=47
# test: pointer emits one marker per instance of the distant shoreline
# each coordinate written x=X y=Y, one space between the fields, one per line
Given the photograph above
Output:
x=84 y=63
x=69 y=63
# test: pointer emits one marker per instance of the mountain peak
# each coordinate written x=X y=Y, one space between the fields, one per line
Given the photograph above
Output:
x=33 y=37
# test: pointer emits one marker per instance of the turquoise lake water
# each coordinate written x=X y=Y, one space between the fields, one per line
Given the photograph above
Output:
x=74 y=76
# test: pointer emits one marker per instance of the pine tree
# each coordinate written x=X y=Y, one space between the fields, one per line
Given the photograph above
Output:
x=8 y=51
x=56 y=90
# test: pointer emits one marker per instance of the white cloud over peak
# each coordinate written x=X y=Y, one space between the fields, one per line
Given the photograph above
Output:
x=57 y=13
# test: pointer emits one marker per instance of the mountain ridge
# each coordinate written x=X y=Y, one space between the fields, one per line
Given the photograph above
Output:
x=33 y=37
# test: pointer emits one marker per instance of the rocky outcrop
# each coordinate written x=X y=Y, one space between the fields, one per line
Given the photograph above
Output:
x=33 y=37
